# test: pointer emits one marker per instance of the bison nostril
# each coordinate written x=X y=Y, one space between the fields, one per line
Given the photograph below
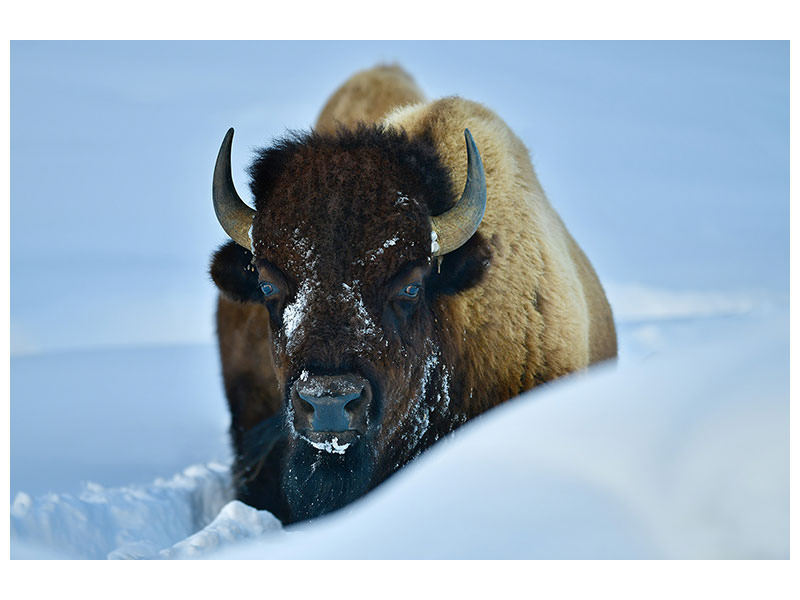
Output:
x=354 y=405
x=304 y=406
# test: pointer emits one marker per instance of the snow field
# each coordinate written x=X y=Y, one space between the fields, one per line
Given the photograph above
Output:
x=660 y=457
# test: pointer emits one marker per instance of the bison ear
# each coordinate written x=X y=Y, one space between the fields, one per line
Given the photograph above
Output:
x=234 y=274
x=463 y=268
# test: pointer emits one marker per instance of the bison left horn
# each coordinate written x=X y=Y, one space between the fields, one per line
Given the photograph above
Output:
x=452 y=229
x=233 y=214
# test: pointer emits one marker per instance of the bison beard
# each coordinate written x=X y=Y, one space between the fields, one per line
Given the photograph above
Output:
x=316 y=482
x=292 y=479
x=280 y=471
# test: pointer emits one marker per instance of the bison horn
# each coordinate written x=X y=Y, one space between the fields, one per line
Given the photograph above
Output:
x=452 y=229
x=233 y=214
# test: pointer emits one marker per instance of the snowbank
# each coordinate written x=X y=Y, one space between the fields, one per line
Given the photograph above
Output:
x=127 y=522
x=683 y=455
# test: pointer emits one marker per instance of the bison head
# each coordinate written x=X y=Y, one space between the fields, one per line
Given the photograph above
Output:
x=353 y=247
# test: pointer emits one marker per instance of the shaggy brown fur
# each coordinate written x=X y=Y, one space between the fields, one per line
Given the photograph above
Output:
x=342 y=226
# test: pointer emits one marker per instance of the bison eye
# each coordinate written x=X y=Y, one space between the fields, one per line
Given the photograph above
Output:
x=268 y=289
x=410 y=291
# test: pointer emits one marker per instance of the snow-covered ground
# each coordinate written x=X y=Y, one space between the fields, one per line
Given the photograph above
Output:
x=679 y=451
x=669 y=163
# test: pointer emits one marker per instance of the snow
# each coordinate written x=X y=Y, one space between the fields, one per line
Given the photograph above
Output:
x=678 y=194
x=365 y=326
x=551 y=474
x=635 y=302
x=125 y=522
x=372 y=255
x=295 y=311
x=421 y=410
x=331 y=447
x=402 y=199
x=234 y=523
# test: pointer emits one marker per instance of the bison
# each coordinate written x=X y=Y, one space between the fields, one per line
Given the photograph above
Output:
x=401 y=273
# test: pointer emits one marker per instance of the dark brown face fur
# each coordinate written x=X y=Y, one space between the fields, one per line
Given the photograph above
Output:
x=342 y=237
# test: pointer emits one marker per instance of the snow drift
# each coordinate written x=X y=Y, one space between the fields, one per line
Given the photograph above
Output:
x=684 y=455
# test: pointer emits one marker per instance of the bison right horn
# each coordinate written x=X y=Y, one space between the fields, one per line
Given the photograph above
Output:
x=452 y=229
x=233 y=214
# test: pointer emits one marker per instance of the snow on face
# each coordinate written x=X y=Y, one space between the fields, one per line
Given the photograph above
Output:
x=331 y=447
x=312 y=293
x=425 y=401
x=434 y=242
x=304 y=249
x=365 y=326
x=422 y=410
x=295 y=312
x=353 y=318
x=402 y=200
x=374 y=254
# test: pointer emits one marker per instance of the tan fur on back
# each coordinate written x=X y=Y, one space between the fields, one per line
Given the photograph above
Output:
x=541 y=311
x=368 y=96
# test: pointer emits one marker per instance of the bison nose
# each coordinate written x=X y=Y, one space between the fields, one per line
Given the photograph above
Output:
x=331 y=403
x=329 y=412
